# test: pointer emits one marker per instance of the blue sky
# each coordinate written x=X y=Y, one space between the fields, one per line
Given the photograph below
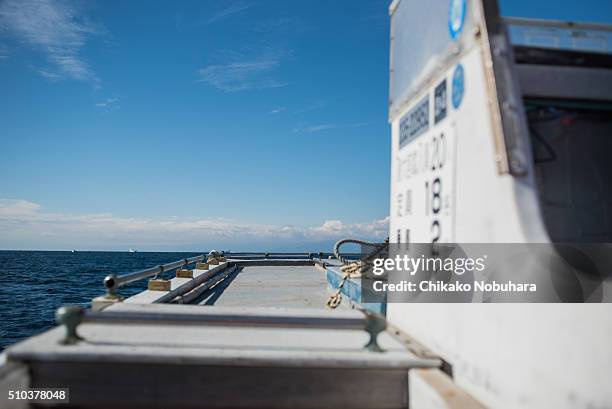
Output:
x=185 y=125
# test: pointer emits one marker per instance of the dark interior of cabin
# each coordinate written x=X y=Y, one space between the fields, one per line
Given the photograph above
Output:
x=569 y=114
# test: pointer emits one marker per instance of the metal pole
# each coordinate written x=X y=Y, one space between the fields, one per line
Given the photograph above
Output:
x=112 y=282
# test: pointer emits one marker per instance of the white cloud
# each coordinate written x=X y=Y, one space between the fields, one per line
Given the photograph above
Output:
x=230 y=10
x=375 y=229
x=17 y=209
x=243 y=74
x=189 y=19
x=57 y=28
x=278 y=110
x=108 y=103
x=50 y=75
x=26 y=225
x=324 y=127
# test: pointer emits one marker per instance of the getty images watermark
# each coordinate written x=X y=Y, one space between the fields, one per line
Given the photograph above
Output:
x=487 y=273
x=459 y=266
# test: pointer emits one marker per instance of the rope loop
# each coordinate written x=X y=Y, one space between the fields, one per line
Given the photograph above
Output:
x=351 y=267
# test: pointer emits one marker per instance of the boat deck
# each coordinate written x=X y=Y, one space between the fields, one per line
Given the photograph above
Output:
x=259 y=338
x=161 y=365
x=274 y=286
x=220 y=345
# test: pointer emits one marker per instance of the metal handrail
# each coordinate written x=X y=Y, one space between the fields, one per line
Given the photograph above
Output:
x=72 y=316
x=304 y=255
x=274 y=254
x=112 y=281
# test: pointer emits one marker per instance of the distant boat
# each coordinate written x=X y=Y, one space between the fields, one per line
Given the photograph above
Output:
x=74 y=251
x=131 y=250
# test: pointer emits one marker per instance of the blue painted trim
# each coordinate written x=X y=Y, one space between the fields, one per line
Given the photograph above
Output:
x=352 y=290
x=458 y=86
x=456 y=17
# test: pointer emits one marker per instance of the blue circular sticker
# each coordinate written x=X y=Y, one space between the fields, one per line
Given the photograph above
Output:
x=458 y=86
x=456 y=17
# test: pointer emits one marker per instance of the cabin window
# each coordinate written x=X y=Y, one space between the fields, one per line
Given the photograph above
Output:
x=565 y=76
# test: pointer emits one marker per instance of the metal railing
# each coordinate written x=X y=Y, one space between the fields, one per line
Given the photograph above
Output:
x=281 y=255
x=71 y=317
x=112 y=281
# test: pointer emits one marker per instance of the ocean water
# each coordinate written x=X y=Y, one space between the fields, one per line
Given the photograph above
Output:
x=33 y=284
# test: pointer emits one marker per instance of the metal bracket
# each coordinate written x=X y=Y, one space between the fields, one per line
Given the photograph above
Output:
x=375 y=324
x=70 y=317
